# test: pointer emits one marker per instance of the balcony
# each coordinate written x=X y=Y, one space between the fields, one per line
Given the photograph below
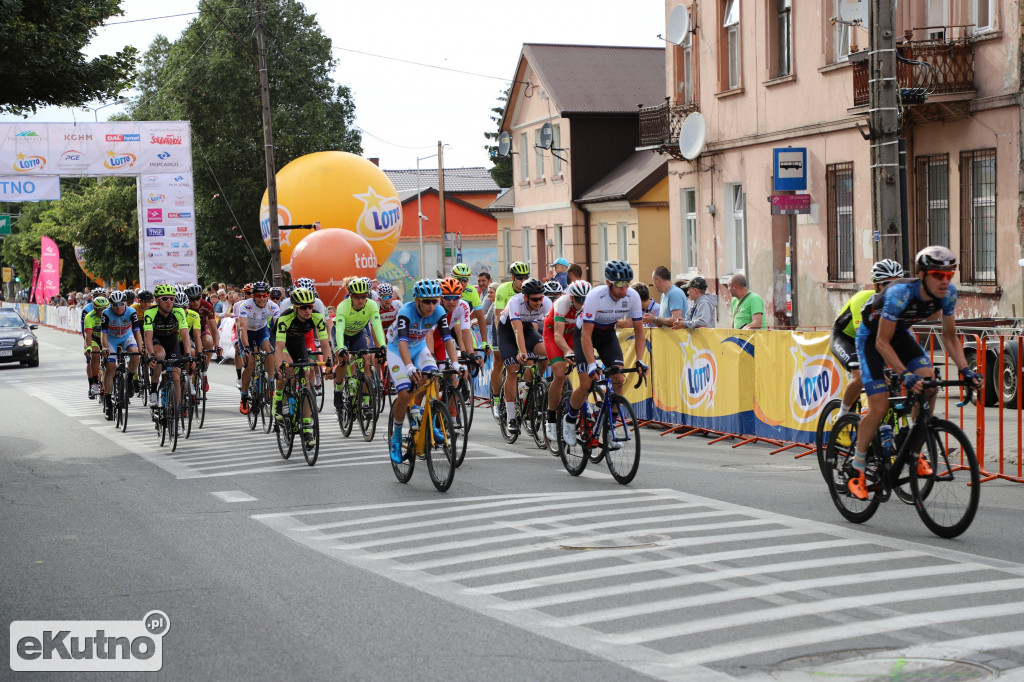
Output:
x=951 y=73
x=659 y=126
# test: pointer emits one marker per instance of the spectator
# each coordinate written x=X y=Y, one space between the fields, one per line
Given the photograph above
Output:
x=492 y=291
x=486 y=299
x=561 y=272
x=747 y=308
x=683 y=282
x=483 y=280
x=574 y=273
x=673 y=301
x=218 y=307
x=703 y=306
x=646 y=305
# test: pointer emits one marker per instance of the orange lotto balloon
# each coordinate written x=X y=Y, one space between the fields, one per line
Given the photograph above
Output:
x=329 y=256
x=338 y=190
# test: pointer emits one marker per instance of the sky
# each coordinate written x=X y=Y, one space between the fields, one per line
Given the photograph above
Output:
x=405 y=108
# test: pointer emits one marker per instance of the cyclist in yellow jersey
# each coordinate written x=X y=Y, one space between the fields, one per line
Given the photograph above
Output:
x=520 y=273
x=844 y=329
x=462 y=272
x=357 y=316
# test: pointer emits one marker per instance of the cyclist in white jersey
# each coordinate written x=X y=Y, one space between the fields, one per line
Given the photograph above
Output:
x=518 y=337
x=253 y=320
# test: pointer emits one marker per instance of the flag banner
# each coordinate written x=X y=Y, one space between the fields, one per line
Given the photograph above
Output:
x=49 y=269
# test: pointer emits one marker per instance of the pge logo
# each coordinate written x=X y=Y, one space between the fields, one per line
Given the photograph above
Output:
x=815 y=382
x=89 y=645
x=700 y=376
x=115 y=161
x=381 y=216
x=71 y=156
x=24 y=164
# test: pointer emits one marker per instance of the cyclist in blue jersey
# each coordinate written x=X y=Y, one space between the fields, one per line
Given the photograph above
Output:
x=120 y=328
x=408 y=353
x=883 y=340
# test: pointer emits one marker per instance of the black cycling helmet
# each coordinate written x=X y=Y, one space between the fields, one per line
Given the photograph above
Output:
x=129 y=296
x=145 y=296
x=260 y=288
x=935 y=258
x=533 y=286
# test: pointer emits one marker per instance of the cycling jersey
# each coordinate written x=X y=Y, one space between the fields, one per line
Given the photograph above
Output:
x=93 y=321
x=318 y=306
x=388 y=317
x=503 y=294
x=518 y=309
x=289 y=326
x=206 y=313
x=164 y=326
x=901 y=302
x=192 y=317
x=602 y=311
x=349 y=321
x=472 y=297
x=850 y=316
x=256 y=318
x=412 y=328
x=561 y=311
x=238 y=306
x=458 y=316
x=120 y=326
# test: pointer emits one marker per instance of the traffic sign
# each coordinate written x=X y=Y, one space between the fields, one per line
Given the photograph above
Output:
x=791 y=204
x=5 y=224
x=790 y=169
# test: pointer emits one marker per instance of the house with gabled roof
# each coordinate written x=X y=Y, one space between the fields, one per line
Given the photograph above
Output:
x=590 y=197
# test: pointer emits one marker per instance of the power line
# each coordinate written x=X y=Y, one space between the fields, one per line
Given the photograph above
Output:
x=135 y=21
x=431 y=66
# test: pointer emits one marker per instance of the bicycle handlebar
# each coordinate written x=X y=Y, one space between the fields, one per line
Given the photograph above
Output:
x=935 y=383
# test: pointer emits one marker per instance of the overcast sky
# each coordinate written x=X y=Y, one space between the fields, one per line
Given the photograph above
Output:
x=404 y=108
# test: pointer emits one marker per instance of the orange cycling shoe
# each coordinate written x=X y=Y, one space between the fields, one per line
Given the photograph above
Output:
x=243 y=406
x=924 y=467
x=858 y=486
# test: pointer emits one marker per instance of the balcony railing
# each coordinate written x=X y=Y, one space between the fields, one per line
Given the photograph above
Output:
x=659 y=125
x=952 y=61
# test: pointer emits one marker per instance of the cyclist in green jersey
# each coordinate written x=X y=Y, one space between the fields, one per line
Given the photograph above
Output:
x=165 y=331
x=844 y=329
x=357 y=316
x=520 y=272
x=292 y=327
x=92 y=325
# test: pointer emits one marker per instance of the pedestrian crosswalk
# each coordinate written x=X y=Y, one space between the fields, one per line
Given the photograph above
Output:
x=674 y=585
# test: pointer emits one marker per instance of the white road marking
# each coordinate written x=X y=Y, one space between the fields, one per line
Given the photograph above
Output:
x=234 y=496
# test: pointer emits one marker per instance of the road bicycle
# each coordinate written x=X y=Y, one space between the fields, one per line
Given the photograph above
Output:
x=606 y=418
x=451 y=396
x=261 y=393
x=121 y=391
x=429 y=436
x=300 y=402
x=166 y=409
x=563 y=405
x=466 y=384
x=317 y=381
x=946 y=497
x=359 y=396
x=531 y=403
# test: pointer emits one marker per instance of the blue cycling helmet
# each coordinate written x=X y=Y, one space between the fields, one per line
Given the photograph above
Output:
x=618 y=271
x=427 y=288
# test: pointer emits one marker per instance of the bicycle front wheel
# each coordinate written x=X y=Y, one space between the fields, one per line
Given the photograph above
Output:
x=947 y=498
x=285 y=435
x=187 y=405
x=318 y=384
x=255 y=388
x=161 y=413
x=821 y=436
x=440 y=447
x=200 y=407
x=838 y=456
x=403 y=469
x=171 y=409
x=623 y=430
x=537 y=410
x=457 y=415
x=266 y=402
x=306 y=409
x=366 y=408
x=509 y=436
x=345 y=416
x=120 y=402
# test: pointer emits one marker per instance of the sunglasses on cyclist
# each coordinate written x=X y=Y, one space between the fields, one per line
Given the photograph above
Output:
x=165 y=299
x=451 y=298
x=254 y=296
x=942 y=275
x=464 y=280
x=620 y=284
x=536 y=299
x=361 y=297
x=520 y=277
x=428 y=301
x=304 y=307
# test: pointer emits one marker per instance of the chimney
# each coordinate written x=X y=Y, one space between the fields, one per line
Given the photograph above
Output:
x=375 y=161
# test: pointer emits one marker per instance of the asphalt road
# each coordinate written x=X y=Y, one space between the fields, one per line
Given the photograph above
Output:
x=714 y=564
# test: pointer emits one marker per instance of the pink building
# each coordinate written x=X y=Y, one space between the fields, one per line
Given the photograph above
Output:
x=777 y=73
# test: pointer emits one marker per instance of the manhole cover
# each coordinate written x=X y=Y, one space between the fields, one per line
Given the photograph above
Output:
x=889 y=669
x=616 y=542
x=769 y=468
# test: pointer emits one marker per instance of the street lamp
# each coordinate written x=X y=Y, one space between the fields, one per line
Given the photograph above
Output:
x=94 y=110
x=419 y=207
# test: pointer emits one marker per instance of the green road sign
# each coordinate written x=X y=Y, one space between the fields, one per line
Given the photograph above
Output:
x=5 y=224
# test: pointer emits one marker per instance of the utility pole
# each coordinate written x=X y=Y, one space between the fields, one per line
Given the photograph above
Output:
x=445 y=266
x=886 y=219
x=268 y=146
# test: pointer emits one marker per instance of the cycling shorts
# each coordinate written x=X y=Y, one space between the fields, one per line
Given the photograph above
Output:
x=421 y=357
x=551 y=348
x=125 y=343
x=606 y=347
x=872 y=366
x=171 y=346
x=357 y=341
x=296 y=349
x=845 y=350
x=256 y=337
x=507 y=345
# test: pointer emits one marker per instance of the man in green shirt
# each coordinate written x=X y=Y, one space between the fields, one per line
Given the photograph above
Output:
x=356 y=317
x=471 y=295
x=747 y=308
x=520 y=273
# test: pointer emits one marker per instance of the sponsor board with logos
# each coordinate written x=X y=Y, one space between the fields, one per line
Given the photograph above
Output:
x=167 y=238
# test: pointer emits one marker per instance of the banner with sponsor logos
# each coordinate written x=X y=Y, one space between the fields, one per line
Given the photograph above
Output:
x=34 y=188
x=167 y=236
x=49 y=269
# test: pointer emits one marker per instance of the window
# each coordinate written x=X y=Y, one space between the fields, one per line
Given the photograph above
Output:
x=840 y=36
x=684 y=67
x=527 y=254
x=558 y=245
x=731 y=39
x=506 y=236
x=623 y=240
x=839 y=179
x=781 y=61
x=978 y=216
x=935 y=15
x=932 y=192
x=982 y=14
x=524 y=158
x=602 y=243
x=735 y=229
x=556 y=145
x=688 y=203
x=540 y=154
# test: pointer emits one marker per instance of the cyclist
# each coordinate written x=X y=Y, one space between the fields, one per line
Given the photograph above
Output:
x=883 y=340
x=92 y=330
x=143 y=302
x=291 y=341
x=209 y=334
x=129 y=300
x=518 y=338
x=165 y=331
x=253 y=321
x=595 y=336
x=120 y=328
x=388 y=305
x=553 y=290
x=462 y=272
x=408 y=352
x=844 y=329
x=356 y=316
x=277 y=295
x=520 y=272
x=559 y=328
x=457 y=309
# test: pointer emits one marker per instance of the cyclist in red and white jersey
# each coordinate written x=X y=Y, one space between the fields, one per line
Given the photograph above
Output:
x=559 y=329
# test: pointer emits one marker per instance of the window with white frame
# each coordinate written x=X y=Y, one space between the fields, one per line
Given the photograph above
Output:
x=735 y=228
x=978 y=216
x=602 y=243
x=506 y=244
x=982 y=14
x=556 y=144
x=558 y=245
x=623 y=241
x=524 y=158
x=936 y=14
x=527 y=234
x=539 y=170
x=683 y=66
x=731 y=34
x=840 y=36
x=783 y=38
x=688 y=202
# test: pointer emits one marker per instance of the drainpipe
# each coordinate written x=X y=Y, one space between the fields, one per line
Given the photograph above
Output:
x=586 y=234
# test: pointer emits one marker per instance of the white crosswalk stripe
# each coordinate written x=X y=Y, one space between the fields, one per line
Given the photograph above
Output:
x=674 y=585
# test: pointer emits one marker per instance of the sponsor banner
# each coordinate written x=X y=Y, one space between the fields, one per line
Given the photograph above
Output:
x=49 y=269
x=29 y=188
x=642 y=397
x=167 y=232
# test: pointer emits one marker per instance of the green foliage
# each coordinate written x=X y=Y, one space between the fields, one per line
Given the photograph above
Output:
x=209 y=77
x=502 y=171
x=41 y=60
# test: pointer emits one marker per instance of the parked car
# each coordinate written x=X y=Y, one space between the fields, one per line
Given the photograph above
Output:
x=17 y=342
x=987 y=332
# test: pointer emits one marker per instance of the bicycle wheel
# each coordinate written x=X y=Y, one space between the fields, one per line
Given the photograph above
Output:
x=624 y=430
x=825 y=422
x=838 y=454
x=403 y=469
x=574 y=457
x=554 y=447
x=187 y=405
x=307 y=403
x=457 y=415
x=118 y=397
x=266 y=402
x=366 y=408
x=946 y=499
x=255 y=391
x=285 y=435
x=509 y=436
x=537 y=400
x=468 y=401
x=440 y=454
x=200 y=407
x=161 y=413
x=171 y=411
x=318 y=386
x=345 y=415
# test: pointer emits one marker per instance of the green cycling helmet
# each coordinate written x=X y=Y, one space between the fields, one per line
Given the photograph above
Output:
x=461 y=270
x=164 y=290
x=519 y=268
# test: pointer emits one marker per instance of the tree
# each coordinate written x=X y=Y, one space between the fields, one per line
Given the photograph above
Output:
x=208 y=77
x=501 y=173
x=41 y=60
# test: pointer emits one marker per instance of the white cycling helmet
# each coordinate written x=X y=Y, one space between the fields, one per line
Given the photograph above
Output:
x=579 y=289
x=885 y=270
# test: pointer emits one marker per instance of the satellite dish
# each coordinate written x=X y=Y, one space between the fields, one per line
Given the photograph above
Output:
x=678 y=25
x=504 y=143
x=853 y=11
x=692 y=134
x=546 y=136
